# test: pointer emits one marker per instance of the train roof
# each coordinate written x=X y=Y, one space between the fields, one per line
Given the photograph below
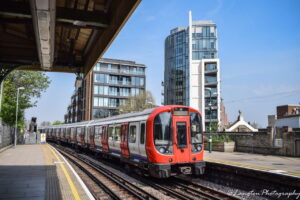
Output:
x=134 y=116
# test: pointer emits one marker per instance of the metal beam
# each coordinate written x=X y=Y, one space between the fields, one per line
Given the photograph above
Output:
x=75 y=17
x=43 y=17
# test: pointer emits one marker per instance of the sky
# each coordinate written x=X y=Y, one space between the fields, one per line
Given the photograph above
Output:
x=258 y=48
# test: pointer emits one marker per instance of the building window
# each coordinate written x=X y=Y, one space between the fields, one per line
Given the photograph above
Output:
x=97 y=67
x=113 y=91
x=210 y=66
x=210 y=79
x=137 y=81
x=124 y=92
x=112 y=103
x=140 y=71
x=101 y=78
x=214 y=114
x=100 y=102
x=102 y=90
x=122 y=102
x=113 y=79
x=125 y=80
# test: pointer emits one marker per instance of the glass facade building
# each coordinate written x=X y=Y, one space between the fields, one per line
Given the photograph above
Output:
x=114 y=81
x=108 y=86
x=192 y=68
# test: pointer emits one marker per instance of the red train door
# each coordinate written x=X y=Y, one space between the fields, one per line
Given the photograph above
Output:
x=124 y=140
x=181 y=135
x=104 y=139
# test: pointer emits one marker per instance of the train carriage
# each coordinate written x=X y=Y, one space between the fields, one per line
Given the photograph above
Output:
x=163 y=141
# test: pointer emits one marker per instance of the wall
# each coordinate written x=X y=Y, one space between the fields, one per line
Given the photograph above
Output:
x=282 y=141
x=5 y=135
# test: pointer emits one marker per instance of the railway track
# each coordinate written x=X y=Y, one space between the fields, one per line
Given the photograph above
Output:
x=112 y=184
x=180 y=189
x=172 y=187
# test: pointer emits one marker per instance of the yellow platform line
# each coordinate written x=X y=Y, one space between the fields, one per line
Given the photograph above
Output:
x=251 y=166
x=71 y=184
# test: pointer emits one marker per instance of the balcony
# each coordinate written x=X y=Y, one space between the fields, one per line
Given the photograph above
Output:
x=121 y=71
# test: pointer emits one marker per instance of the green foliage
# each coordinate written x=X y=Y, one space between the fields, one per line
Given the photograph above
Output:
x=221 y=138
x=138 y=103
x=34 y=83
x=214 y=127
x=57 y=122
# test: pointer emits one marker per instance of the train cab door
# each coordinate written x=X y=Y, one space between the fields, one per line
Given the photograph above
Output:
x=105 y=139
x=181 y=137
x=124 y=140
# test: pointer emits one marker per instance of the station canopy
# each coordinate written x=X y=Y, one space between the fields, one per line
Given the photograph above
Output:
x=59 y=35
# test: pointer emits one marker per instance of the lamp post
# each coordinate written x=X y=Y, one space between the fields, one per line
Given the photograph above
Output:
x=210 y=136
x=15 y=138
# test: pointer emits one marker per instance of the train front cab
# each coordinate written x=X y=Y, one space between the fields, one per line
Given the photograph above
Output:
x=175 y=142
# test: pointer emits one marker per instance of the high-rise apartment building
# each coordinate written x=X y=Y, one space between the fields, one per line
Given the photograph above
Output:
x=192 y=72
x=105 y=88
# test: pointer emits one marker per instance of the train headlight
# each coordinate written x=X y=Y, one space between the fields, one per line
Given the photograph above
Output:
x=162 y=150
x=199 y=148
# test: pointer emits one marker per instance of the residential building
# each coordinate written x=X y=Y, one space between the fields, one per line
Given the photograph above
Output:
x=192 y=69
x=288 y=115
x=108 y=86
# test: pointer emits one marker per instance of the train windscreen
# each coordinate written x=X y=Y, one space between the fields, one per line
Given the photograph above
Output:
x=196 y=132
x=163 y=133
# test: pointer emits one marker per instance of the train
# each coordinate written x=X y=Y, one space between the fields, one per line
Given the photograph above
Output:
x=161 y=142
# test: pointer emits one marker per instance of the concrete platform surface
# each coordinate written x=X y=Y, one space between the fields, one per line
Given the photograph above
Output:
x=37 y=172
x=275 y=164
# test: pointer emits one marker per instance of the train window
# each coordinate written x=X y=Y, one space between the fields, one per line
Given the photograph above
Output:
x=110 y=133
x=132 y=134
x=142 y=139
x=181 y=134
x=117 y=135
x=78 y=132
x=98 y=133
x=162 y=129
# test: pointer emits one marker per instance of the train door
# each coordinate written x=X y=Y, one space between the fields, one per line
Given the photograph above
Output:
x=104 y=141
x=124 y=140
x=73 y=135
x=142 y=140
x=68 y=135
x=91 y=137
x=181 y=137
x=78 y=135
x=133 y=139
x=98 y=136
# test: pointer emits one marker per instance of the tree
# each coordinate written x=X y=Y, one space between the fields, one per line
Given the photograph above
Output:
x=34 y=83
x=57 y=122
x=45 y=123
x=138 y=103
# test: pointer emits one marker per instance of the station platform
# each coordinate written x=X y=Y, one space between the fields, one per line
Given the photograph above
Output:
x=275 y=164
x=38 y=172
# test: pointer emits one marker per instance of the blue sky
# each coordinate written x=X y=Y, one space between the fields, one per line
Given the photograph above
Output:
x=259 y=52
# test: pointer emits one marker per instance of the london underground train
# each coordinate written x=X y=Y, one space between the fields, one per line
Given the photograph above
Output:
x=163 y=141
